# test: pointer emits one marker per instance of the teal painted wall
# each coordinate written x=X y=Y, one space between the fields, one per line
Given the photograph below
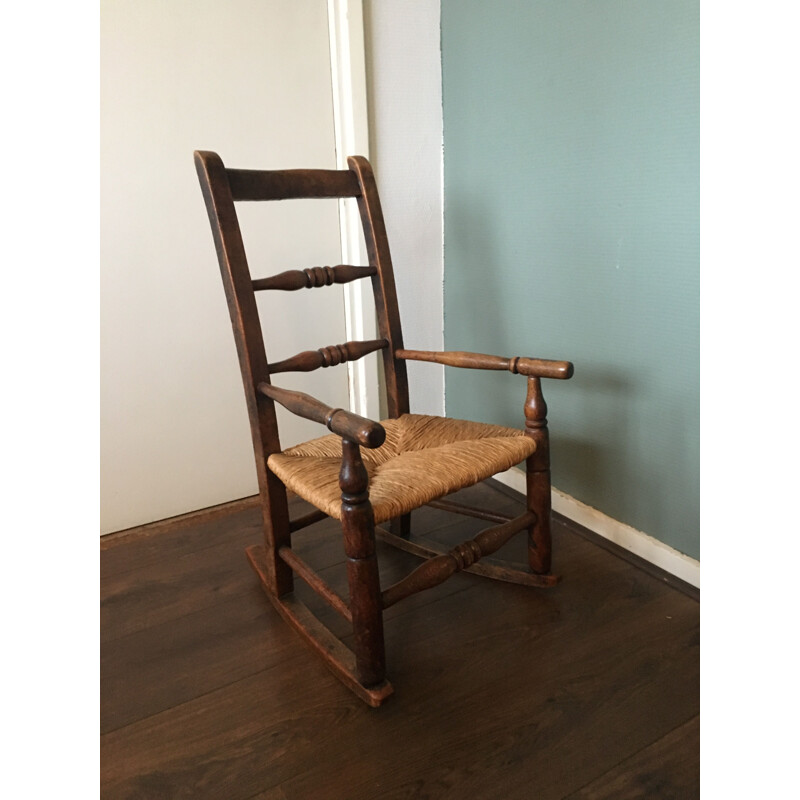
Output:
x=571 y=188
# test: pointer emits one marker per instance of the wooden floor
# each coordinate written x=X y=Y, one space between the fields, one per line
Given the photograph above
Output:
x=588 y=690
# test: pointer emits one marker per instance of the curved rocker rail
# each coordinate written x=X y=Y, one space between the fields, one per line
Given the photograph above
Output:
x=336 y=655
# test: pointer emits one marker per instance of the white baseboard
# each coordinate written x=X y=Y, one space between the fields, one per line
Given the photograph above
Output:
x=637 y=542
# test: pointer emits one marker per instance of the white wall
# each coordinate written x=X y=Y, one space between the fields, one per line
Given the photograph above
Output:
x=250 y=80
x=405 y=107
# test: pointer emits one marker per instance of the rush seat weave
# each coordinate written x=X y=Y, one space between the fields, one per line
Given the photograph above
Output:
x=422 y=459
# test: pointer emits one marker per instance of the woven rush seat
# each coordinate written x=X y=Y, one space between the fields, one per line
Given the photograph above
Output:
x=422 y=459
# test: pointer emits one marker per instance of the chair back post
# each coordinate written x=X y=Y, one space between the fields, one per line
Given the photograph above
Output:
x=252 y=358
x=383 y=286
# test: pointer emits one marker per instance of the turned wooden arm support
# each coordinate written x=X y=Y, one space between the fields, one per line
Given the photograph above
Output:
x=344 y=423
x=532 y=367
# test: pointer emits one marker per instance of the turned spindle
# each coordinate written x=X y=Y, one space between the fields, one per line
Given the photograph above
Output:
x=461 y=557
x=329 y=356
x=313 y=277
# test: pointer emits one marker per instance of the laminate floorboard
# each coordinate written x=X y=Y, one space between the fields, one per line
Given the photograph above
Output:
x=589 y=690
x=668 y=768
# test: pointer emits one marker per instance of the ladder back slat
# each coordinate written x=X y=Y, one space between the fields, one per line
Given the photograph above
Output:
x=313 y=277
x=287 y=184
x=309 y=360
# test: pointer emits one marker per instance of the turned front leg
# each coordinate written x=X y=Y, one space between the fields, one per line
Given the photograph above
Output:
x=358 y=527
x=538 y=479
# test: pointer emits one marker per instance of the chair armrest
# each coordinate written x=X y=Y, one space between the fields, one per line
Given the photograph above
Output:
x=532 y=367
x=344 y=423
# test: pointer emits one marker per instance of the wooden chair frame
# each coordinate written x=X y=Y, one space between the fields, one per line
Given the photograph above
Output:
x=363 y=668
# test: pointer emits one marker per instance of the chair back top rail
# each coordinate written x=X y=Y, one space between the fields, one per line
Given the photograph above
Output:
x=288 y=184
x=309 y=360
x=313 y=277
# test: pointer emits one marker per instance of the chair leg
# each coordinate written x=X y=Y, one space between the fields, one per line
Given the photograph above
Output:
x=401 y=526
x=538 y=501
x=358 y=528
x=538 y=479
x=275 y=511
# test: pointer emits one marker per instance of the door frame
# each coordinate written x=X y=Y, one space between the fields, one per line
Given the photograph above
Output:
x=351 y=132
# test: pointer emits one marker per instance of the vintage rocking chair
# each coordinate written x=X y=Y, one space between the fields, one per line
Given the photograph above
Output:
x=365 y=472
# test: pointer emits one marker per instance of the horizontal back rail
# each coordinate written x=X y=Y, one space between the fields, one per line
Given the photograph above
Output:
x=287 y=184
x=313 y=277
x=309 y=360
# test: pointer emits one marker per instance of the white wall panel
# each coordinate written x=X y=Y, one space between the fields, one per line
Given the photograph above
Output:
x=405 y=100
x=250 y=80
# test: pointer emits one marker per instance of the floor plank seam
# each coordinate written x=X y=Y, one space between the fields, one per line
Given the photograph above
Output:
x=245 y=590
x=216 y=689
x=345 y=639
x=629 y=757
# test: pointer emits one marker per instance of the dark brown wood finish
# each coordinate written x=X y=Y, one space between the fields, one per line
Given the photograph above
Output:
x=543 y=368
x=363 y=669
x=461 y=557
x=330 y=356
x=401 y=526
x=506 y=571
x=537 y=475
x=358 y=527
x=336 y=656
x=285 y=184
x=307 y=519
x=313 y=579
x=345 y=423
x=383 y=286
x=666 y=768
x=217 y=193
x=469 y=511
x=503 y=693
x=313 y=277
